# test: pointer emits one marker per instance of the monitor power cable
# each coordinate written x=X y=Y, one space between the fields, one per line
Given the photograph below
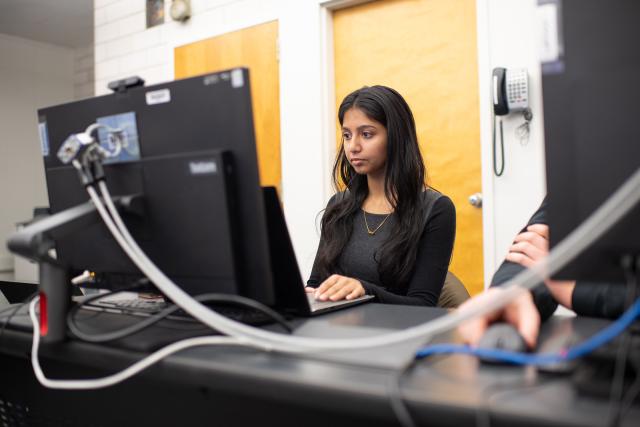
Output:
x=110 y=380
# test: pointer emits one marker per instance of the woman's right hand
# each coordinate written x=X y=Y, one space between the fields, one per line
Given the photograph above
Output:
x=338 y=287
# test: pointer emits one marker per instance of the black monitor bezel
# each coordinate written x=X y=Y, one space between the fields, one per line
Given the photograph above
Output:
x=211 y=112
x=592 y=140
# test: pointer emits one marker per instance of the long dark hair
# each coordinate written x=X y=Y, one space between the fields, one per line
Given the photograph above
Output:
x=404 y=183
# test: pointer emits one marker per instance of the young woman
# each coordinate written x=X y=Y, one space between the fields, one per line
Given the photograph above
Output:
x=387 y=234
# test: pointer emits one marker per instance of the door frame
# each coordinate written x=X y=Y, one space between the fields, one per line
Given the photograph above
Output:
x=328 y=84
x=329 y=114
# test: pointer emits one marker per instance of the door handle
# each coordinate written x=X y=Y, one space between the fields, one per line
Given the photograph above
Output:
x=475 y=200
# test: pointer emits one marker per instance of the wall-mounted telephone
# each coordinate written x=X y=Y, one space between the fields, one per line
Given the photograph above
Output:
x=510 y=92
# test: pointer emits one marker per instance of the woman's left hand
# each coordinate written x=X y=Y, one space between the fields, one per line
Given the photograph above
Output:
x=338 y=287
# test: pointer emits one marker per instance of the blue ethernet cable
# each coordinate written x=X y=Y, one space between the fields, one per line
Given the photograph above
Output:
x=516 y=358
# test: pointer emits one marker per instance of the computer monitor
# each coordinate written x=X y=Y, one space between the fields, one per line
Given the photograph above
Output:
x=190 y=159
x=591 y=90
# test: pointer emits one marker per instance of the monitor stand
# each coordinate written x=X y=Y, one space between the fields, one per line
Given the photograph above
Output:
x=35 y=242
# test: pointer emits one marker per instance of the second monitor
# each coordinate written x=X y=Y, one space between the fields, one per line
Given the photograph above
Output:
x=189 y=158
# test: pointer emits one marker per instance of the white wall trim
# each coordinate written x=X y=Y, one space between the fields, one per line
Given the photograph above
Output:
x=486 y=154
x=328 y=84
x=328 y=97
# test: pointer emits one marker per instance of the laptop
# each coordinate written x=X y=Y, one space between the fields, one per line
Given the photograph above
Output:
x=287 y=280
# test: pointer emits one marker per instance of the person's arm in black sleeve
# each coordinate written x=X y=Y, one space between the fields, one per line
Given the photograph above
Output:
x=432 y=260
x=314 y=278
x=542 y=298
x=599 y=299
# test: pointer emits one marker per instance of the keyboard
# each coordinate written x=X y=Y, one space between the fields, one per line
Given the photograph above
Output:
x=143 y=307
x=134 y=305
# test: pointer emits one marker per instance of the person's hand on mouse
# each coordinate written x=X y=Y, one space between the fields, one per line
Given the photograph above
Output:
x=338 y=287
x=529 y=248
x=521 y=313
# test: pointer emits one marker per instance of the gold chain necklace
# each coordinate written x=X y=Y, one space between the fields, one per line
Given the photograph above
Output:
x=366 y=224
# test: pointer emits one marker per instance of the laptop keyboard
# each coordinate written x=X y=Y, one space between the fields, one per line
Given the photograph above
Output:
x=316 y=305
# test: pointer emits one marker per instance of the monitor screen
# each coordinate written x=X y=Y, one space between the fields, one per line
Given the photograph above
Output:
x=591 y=92
x=189 y=159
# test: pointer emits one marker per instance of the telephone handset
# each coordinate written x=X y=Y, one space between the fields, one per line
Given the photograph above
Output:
x=510 y=90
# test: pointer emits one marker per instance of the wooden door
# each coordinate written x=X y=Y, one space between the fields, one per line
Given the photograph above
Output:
x=426 y=49
x=255 y=48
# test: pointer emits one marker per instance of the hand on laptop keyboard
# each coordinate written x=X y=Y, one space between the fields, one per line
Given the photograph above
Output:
x=337 y=287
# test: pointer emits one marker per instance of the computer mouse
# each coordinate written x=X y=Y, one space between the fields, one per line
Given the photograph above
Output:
x=502 y=336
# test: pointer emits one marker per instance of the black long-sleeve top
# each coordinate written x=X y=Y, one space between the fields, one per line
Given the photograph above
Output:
x=357 y=259
x=588 y=298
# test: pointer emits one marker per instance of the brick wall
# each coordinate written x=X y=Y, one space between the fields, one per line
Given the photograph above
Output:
x=125 y=47
x=83 y=72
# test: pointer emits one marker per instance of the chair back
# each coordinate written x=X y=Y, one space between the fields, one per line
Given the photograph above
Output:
x=453 y=292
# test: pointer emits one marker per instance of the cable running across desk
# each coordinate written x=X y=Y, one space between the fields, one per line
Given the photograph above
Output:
x=131 y=370
x=582 y=349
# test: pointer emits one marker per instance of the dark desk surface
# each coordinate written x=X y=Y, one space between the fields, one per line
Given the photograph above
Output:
x=208 y=384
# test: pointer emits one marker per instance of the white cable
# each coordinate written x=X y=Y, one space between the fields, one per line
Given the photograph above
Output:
x=117 y=133
x=132 y=370
x=618 y=204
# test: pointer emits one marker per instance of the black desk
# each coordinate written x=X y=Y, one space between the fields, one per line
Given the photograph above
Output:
x=236 y=386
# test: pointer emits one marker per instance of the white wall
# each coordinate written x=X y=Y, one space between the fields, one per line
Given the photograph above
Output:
x=32 y=75
x=507 y=37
